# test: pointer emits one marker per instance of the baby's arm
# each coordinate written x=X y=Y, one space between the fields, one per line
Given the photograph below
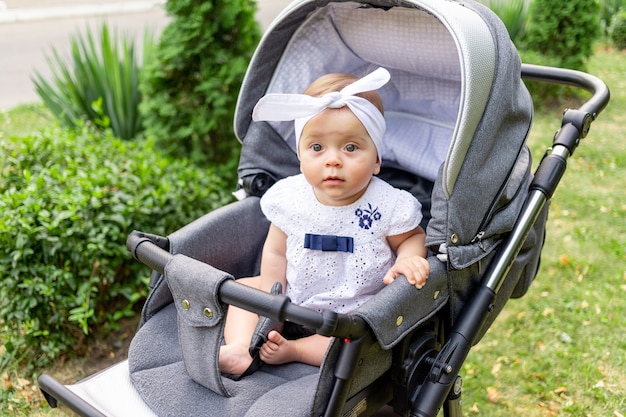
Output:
x=411 y=257
x=274 y=259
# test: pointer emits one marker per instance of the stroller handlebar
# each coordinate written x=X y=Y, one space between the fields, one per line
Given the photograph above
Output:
x=599 y=90
x=148 y=249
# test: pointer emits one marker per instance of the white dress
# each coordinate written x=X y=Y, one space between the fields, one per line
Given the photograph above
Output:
x=335 y=280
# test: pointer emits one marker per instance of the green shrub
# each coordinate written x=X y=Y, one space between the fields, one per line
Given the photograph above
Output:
x=100 y=84
x=608 y=9
x=617 y=30
x=565 y=30
x=68 y=202
x=191 y=86
x=545 y=95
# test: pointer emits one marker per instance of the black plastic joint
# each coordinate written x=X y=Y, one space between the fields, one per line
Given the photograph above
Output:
x=549 y=174
x=581 y=120
x=331 y=321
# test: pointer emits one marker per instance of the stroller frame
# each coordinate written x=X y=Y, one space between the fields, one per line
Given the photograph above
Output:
x=424 y=376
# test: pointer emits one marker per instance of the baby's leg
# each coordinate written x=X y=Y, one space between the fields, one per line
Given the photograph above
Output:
x=234 y=357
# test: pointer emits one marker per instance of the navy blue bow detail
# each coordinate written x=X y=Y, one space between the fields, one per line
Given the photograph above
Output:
x=329 y=243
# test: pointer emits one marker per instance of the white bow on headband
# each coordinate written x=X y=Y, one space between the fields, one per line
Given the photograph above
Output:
x=301 y=107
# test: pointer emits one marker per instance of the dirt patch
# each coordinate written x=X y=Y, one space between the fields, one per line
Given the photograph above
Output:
x=99 y=354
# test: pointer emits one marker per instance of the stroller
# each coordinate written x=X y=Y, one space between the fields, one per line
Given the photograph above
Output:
x=457 y=118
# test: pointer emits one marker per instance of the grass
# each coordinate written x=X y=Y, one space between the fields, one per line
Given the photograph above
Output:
x=558 y=351
x=25 y=119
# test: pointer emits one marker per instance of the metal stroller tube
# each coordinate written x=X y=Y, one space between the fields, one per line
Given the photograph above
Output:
x=575 y=126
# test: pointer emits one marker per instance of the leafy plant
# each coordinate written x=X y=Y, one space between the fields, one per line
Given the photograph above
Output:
x=100 y=84
x=617 y=30
x=608 y=9
x=564 y=30
x=192 y=84
x=68 y=202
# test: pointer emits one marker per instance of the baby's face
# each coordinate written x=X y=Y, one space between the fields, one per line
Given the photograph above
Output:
x=337 y=156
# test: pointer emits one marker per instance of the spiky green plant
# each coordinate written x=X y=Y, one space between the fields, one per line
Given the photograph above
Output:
x=100 y=83
x=513 y=13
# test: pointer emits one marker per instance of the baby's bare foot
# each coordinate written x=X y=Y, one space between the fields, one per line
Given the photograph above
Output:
x=278 y=350
x=234 y=359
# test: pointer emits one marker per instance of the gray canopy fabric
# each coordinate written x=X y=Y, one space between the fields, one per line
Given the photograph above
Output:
x=457 y=115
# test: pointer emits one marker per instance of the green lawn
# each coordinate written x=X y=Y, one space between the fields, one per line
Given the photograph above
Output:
x=558 y=351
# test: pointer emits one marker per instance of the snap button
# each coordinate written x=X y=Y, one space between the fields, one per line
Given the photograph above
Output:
x=208 y=313
x=454 y=238
x=399 y=320
x=185 y=304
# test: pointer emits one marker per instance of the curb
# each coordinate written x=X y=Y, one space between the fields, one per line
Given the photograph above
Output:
x=23 y=15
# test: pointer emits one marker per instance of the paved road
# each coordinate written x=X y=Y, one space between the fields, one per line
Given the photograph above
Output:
x=29 y=29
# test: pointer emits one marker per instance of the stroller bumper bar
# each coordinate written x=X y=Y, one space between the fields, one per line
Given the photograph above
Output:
x=146 y=249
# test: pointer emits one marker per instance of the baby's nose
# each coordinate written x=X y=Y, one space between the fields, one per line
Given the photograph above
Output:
x=333 y=158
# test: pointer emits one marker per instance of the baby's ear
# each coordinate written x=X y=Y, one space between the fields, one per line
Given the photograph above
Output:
x=377 y=167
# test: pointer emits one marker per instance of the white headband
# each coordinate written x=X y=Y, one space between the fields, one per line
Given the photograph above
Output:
x=301 y=107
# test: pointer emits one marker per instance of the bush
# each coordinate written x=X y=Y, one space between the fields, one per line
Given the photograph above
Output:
x=609 y=8
x=565 y=30
x=617 y=30
x=191 y=86
x=546 y=95
x=68 y=202
x=100 y=84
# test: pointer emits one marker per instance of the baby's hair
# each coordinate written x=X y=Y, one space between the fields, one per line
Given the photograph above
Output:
x=334 y=82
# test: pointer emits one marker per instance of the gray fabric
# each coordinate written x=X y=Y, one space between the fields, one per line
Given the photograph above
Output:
x=241 y=229
x=158 y=373
x=244 y=226
x=373 y=362
x=195 y=288
x=504 y=214
x=400 y=308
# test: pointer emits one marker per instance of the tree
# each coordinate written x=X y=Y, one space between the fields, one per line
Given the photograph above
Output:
x=191 y=86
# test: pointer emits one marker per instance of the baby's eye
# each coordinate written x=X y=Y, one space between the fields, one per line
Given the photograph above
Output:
x=316 y=147
x=351 y=147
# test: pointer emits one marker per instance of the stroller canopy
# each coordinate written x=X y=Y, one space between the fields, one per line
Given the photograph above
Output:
x=457 y=112
x=443 y=59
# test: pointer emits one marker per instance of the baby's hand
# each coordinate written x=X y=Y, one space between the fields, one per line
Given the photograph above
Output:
x=414 y=268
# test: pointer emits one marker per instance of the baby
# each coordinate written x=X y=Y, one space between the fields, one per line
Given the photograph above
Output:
x=338 y=234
